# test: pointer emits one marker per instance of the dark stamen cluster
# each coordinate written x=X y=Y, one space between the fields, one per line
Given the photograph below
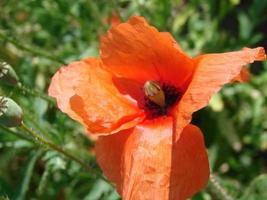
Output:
x=172 y=95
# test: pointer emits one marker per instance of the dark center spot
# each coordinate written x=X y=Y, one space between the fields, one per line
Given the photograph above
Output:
x=172 y=95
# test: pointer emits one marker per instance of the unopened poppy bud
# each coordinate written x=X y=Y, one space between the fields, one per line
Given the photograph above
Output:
x=10 y=112
x=154 y=93
x=8 y=74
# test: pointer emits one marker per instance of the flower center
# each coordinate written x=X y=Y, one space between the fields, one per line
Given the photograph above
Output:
x=159 y=98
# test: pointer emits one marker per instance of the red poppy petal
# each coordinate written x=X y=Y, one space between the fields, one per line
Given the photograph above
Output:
x=115 y=19
x=135 y=50
x=212 y=72
x=86 y=92
x=243 y=76
x=176 y=45
x=191 y=171
x=109 y=155
x=62 y=91
x=145 y=164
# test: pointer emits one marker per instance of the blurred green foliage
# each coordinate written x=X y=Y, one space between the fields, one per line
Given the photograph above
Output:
x=37 y=37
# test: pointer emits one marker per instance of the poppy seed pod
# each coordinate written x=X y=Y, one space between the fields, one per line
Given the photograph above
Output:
x=10 y=112
x=8 y=74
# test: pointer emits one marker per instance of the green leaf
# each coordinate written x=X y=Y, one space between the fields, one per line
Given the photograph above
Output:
x=28 y=175
x=257 y=189
x=99 y=189
x=4 y=198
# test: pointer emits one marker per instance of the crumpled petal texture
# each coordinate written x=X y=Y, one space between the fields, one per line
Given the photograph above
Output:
x=86 y=92
x=163 y=158
x=212 y=72
x=137 y=51
x=243 y=76
x=146 y=164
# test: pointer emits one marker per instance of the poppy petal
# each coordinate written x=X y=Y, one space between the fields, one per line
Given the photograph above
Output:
x=134 y=50
x=145 y=164
x=86 y=92
x=191 y=171
x=243 y=76
x=109 y=155
x=212 y=72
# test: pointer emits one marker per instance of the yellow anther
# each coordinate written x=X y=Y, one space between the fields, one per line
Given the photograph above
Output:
x=154 y=92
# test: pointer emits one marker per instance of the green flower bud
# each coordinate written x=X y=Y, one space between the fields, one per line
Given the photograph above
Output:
x=10 y=112
x=8 y=74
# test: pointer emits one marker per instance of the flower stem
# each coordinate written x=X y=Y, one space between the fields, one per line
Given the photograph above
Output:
x=53 y=146
x=48 y=144
x=218 y=188
x=7 y=130
x=33 y=92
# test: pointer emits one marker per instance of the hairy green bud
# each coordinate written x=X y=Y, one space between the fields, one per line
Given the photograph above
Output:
x=8 y=74
x=10 y=112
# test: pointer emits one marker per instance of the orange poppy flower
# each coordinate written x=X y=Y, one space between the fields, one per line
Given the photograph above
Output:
x=115 y=19
x=138 y=97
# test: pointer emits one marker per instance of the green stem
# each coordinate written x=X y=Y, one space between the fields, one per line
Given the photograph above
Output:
x=53 y=146
x=218 y=188
x=31 y=50
x=50 y=145
x=34 y=93
x=25 y=185
x=15 y=133
x=23 y=89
